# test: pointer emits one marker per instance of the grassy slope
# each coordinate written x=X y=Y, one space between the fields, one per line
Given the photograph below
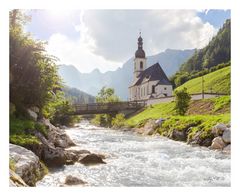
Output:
x=213 y=106
x=208 y=113
x=219 y=81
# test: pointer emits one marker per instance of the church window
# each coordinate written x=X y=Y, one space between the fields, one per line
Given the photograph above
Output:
x=153 y=89
x=141 y=65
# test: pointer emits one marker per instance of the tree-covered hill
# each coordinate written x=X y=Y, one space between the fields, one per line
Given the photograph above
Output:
x=218 y=51
x=77 y=96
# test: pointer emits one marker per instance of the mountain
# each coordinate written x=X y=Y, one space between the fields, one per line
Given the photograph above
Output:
x=77 y=96
x=170 y=60
x=217 y=82
x=217 y=51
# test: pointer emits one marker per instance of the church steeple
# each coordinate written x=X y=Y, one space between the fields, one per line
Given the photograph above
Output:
x=140 y=58
x=140 y=52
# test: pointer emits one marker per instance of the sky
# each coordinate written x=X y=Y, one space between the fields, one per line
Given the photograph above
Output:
x=105 y=39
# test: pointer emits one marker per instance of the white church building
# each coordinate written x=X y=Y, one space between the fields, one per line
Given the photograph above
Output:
x=149 y=82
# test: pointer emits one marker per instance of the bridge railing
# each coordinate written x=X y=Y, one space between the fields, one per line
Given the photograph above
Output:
x=111 y=106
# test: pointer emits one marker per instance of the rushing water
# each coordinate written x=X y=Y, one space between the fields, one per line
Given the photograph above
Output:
x=134 y=160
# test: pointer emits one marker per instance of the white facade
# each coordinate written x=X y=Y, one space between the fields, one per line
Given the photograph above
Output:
x=149 y=90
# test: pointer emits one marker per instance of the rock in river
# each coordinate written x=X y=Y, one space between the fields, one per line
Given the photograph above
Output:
x=218 y=143
x=227 y=149
x=178 y=135
x=218 y=129
x=72 y=180
x=92 y=159
x=227 y=136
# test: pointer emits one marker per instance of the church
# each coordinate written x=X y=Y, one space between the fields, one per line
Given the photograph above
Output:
x=149 y=82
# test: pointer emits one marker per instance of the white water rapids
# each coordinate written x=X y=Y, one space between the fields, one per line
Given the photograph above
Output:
x=134 y=160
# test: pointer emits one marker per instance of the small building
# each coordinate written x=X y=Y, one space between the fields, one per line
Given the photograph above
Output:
x=149 y=82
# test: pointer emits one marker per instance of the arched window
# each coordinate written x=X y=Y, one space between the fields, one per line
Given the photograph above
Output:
x=141 y=65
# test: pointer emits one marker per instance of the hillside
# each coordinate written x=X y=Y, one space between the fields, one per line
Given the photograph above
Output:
x=217 y=51
x=208 y=107
x=77 y=96
x=217 y=82
x=92 y=82
x=194 y=128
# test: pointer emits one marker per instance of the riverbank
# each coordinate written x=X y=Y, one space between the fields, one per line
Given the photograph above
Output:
x=193 y=131
x=31 y=158
x=206 y=123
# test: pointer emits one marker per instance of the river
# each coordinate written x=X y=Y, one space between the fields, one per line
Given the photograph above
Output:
x=134 y=160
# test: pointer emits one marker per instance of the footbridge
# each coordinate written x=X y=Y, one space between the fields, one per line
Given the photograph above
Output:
x=108 y=108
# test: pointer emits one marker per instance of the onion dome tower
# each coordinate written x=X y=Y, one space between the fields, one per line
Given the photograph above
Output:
x=140 y=58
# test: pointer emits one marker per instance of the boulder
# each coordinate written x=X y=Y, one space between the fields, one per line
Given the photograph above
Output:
x=149 y=128
x=227 y=136
x=37 y=148
x=206 y=142
x=197 y=139
x=33 y=115
x=59 y=138
x=218 y=143
x=62 y=140
x=178 y=135
x=218 y=129
x=15 y=180
x=27 y=164
x=72 y=180
x=48 y=124
x=227 y=149
x=71 y=157
x=56 y=136
x=54 y=157
x=92 y=159
x=73 y=154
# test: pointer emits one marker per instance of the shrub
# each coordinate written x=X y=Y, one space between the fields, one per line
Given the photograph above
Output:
x=41 y=128
x=23 y=139
x=63 y=114
x=20 y=125
x=182 y=101
x=118 y=121
x=99 y=120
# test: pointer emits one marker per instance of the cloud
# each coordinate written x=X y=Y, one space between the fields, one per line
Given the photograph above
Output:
x=79 y=52
x=115 y=31
x=107 y=38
